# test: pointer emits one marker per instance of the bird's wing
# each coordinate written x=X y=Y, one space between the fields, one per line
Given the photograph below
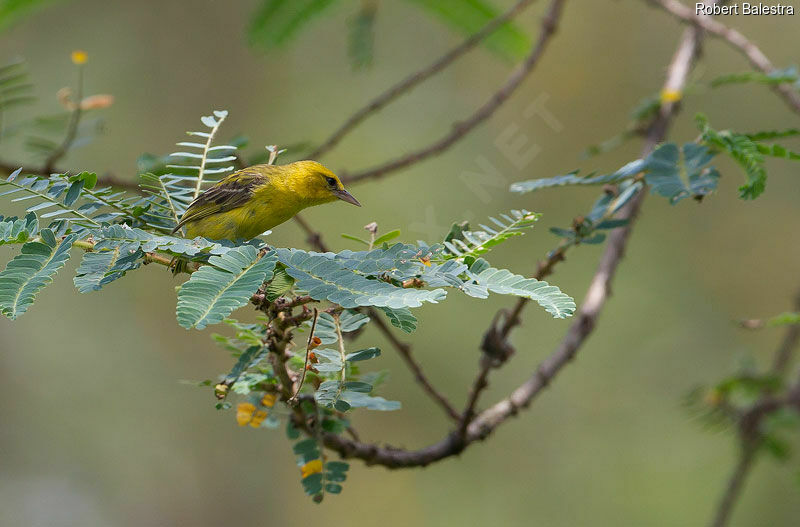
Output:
x=231 y=192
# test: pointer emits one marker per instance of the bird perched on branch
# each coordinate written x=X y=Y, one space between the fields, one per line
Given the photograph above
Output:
x=257 y=198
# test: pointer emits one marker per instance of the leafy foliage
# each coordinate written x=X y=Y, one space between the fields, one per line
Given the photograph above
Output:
x=504 y=282
x=748 y=150
x=99 y=268
x=324 y=278
x=226 y=283
x=468 y=16
x=188 y=171
x=626 y=172
x=276 y=22
x=13 y=10
x=30 y=271
x=15 y=90
x=120 y=233
x=401 y=318
x=466 y=244
x=18 y=230
x=317 y=476
x=59 y=192
x=677 y=173
x=361 y=36
x=772 y=78
x=785 y=319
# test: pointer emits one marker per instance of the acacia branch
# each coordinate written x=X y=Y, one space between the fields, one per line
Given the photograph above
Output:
x=715 y=28
x=414 y=79
x=461 y=129
x=581 y=328
x=749 y=425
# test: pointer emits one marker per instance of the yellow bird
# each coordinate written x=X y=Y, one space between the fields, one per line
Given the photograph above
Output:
x=257 y=198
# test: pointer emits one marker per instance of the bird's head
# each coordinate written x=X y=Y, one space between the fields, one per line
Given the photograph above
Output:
x=321 y=185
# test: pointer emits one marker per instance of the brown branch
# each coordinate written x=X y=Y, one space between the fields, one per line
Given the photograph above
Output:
x=734 y=487
x=414 y=79
x=756 y=57
x=749 y=430
x=790 y=341
x=577 y=334
x=404 y=350
x=461 y=129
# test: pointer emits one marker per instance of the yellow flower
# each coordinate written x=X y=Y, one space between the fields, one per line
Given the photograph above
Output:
x=668 y=96
x=244 y=413
x=79 y=57
x=258 y=418
x=269 y=400
x=312 y=467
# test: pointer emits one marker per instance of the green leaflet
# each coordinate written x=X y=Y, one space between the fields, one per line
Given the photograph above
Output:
x=628 y=171
x=18 y=230
x=182 y=175
x=402 y=319
x=56 y=192
x=30 y=271
x=772 y=78
x=113 y=235
x=249 y=358
x=743 y=150
x=277 y=21
x=325 y=279
x=463 y=243
x=13 y=10
x=73 y=200
x=361 y=36
x=15 y=88
x=348 y=321
x=99 y=268
x=504 y=282
x=469 y=16
x=227 y=283
x=679 y=173
x=280 y=284
x=784 y=319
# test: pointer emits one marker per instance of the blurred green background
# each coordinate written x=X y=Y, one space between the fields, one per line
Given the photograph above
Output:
x=97 y=429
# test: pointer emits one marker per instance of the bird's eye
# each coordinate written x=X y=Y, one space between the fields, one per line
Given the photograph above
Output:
x=331 y=181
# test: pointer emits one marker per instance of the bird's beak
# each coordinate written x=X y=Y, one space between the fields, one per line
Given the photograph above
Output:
x=346 y=196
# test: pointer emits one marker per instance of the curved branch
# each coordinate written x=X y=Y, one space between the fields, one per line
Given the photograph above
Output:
x=599 y=290
x=411 y=81
x=735 y=39
x=460 y=129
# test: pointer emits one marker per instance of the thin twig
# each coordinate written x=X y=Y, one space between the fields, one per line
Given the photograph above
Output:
x=414 y=79
x=735 y=484
x=308 y=351
x=756 y=57
x=749 y=422
x=790 y=341
x=480 y=384
x=72 y=128
x=461 y=129
x=404 y=350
